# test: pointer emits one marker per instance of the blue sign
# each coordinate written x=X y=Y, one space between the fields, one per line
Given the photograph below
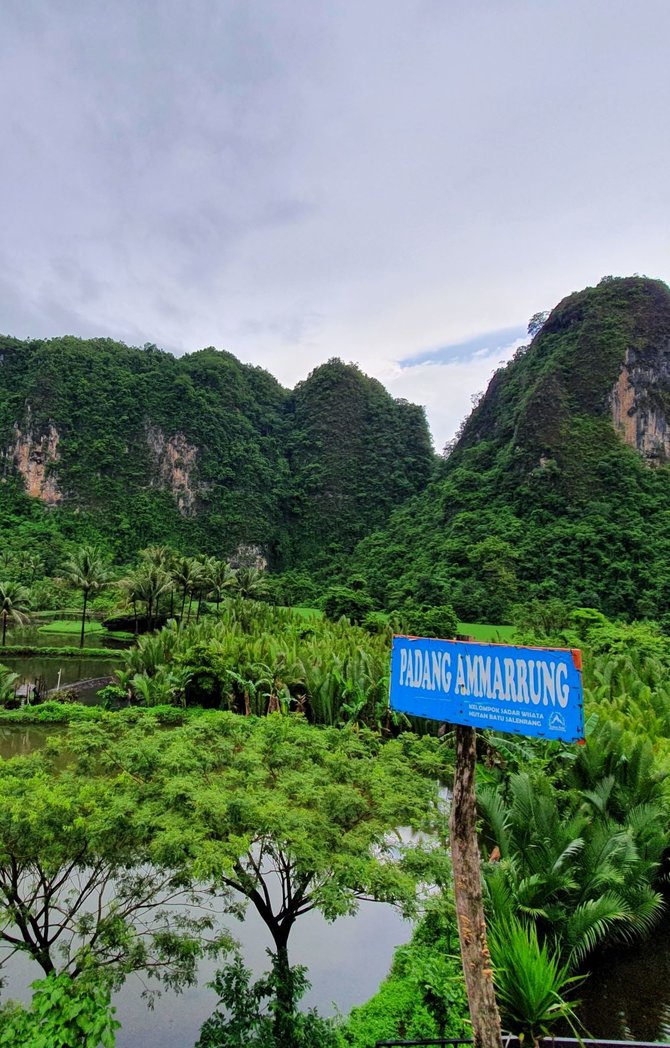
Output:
x=526 y=691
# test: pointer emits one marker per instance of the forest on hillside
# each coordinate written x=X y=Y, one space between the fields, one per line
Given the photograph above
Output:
x=125 y=447
x=541 y=497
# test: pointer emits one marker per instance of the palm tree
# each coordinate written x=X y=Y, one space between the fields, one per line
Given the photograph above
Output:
x=7 y=560
x=14 y=603
x=580 y=875
x=163 y=557
x=219 y=577
x=186 y=574
x=86 y=570
x=131 y=586
x=154 y=581
x=159 y=556
x=250 y=583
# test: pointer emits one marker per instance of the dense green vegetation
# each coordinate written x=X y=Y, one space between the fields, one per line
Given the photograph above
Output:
x=201 y=451
x=540 y=497
x=574 y=842
x=247 y=734
x=424 y=995
x=122 y=815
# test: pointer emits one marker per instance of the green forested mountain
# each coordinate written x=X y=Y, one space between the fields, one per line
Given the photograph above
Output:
x=133 y=446
x=559 y=484
x=355 y=453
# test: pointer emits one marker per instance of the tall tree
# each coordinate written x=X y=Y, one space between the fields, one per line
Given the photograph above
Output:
x=146 y=585
x=14 y=604
x=250 y=583
x=318 y=830
x=186 y=573
x=86 y=570
x=220 y=578
x=77 y=893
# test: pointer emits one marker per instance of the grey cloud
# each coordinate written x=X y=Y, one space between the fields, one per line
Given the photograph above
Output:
x=296 y=180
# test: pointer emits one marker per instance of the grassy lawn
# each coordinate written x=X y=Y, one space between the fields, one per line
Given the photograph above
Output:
x=308 y=613
x=486 y=633
x=71 y=626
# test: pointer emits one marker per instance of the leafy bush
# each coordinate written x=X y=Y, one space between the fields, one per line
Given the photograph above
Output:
x=532 y=985
x=64 y=1011
x=438 y=622
x=424 y=994
x=340 y=601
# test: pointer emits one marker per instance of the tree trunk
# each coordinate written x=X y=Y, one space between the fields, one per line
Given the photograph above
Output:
x=285 y=1003
x=135 y=614
x=190 y=605
x=4 y=626
x=83 y=620
x=468 y=892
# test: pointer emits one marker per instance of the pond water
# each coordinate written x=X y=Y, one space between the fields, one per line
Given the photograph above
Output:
x=55 y=672
x=31 y=635
x=346 y=960
x=58 y=673
x=627 y=994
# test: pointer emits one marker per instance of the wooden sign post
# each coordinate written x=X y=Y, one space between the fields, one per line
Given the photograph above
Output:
x=525 y=691
x=468 y=893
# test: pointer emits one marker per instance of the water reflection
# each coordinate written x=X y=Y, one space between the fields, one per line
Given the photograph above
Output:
x=17 y=740
x=627 y=995
x=31 y=635
x=346 y=961
x=59 y=673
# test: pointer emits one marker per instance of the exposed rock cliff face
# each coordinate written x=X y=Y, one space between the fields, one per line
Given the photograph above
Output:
x=175 y=461
x=34 y=458
x=638 y=405
x=247 y=556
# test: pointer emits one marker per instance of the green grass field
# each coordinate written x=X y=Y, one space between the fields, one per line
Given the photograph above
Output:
x=308 y=613
x=70 y=626
x=487 y=633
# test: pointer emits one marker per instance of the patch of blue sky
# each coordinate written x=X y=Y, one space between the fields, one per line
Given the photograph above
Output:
x=479 y=346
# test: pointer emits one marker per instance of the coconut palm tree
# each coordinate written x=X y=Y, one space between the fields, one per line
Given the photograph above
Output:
x=154 y=581
x=163 y=557
x=30 y=564
x=131 y=587
x=219 y=577
x=7 y=561
x=187 y=574
x=159 y=556
x=86 y=570
x=14 y=604
x=250 y=583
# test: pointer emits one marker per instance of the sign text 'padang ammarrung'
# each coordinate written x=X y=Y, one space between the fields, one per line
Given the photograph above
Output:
x=526 y=691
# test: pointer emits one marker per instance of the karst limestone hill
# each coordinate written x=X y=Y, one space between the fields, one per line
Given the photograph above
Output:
x=105 y=442
x=558 y=485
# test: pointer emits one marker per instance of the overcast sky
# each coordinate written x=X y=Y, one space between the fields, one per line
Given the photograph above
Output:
x=401 y=184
